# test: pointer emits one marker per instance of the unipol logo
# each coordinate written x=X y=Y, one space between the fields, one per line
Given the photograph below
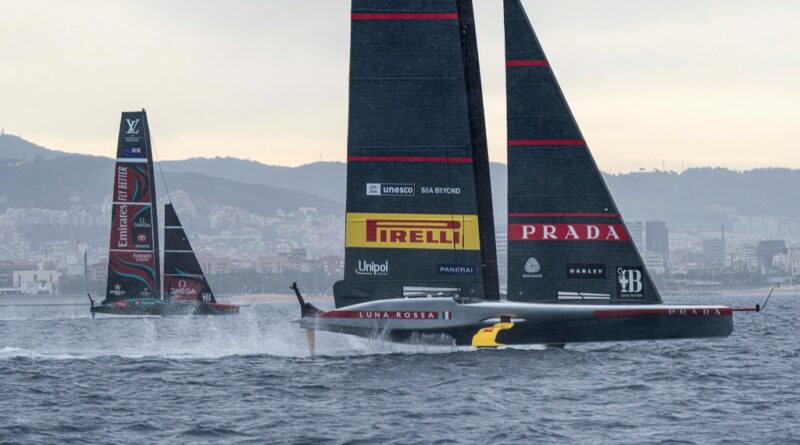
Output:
x=629 y=282
x=133 y=126
x=372 y=268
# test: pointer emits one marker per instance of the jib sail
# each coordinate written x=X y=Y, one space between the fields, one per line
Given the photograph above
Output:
x=183 y=275
x=133 y=263
x=566 y=239
x=412 y=222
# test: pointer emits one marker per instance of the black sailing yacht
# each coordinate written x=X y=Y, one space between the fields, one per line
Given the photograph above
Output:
x=134 y=273
x=420 y=251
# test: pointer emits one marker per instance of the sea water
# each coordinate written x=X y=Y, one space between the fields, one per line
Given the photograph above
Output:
x=66 y=378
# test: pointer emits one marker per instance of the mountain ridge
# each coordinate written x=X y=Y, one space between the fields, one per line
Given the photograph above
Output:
x=701 y=198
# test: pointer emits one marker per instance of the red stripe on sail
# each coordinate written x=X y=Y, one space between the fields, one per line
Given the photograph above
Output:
x=678 y=312
x=527 y=63
x=433 y=159
x=540 y=142
x=563 y=215
x=407 y=16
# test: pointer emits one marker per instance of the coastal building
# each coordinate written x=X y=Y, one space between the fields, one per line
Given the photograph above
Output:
x=714 y=252
x=657 y=238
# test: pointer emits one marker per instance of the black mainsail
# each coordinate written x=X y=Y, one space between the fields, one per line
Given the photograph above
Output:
x=183 y=276
x=566 y=238
x=133 y=263
x=413 y=222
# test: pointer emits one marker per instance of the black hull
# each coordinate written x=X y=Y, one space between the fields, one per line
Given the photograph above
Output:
x=514 y=323
x=585 y=331
x=159 y=308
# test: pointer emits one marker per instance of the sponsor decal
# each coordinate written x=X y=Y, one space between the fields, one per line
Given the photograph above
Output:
x=456 y=269
x=567 y=232
x=629 y=282
x=532 y=268
x=129 y=223
x=133 y=126
x=117 y=291
x=591 y=271
x=141 y=223
x=376 y=189
x=135 y=268
x=131 y=183
x=390 y=315
x=132 y=152
x=372 y=268
x=412 y=231
x=672 y=312
x=440 y=190
x=182 y=288
x=133 y=130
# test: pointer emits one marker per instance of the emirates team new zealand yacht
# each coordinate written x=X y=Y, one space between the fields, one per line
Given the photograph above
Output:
x=134 y=281
x=420 y=250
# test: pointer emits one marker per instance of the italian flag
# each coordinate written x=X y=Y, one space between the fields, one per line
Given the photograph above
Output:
x=445 y=315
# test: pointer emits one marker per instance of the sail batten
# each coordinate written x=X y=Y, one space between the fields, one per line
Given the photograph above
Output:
x=566 y=237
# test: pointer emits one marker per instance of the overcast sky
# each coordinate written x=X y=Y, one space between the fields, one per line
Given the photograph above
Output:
x=683 y=82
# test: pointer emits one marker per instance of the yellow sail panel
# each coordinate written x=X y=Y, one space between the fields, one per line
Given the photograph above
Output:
x=412 y=231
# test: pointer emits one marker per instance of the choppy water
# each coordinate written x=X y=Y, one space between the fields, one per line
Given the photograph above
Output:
x=65 y=378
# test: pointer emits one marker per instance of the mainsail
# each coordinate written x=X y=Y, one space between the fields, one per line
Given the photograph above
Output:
x=133 y=263
x=412 y=222
x=183 y=275
x=566 y=238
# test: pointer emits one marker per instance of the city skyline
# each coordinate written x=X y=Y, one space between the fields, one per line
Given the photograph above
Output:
x=650 y=84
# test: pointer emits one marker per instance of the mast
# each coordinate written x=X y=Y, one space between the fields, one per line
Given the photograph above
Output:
x=567 y=241
x=480 y=150
x=154 y=205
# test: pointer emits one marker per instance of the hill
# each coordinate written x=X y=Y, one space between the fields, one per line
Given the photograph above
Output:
x=701 y=198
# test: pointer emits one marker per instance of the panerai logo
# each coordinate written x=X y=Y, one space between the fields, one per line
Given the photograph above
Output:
x=629 y=282
x=133 y=126
x=375 y=189
x=532 y=269
x=372 y=268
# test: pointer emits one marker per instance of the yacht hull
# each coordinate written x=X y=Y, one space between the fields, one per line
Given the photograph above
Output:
x=517 y=323
x=156 y=307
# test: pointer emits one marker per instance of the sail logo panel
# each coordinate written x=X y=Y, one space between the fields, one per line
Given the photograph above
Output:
x=132 y=274
x=567 y=232
x=132 y=182
x=188 y=288
x=411 y=231
x=132 y=227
